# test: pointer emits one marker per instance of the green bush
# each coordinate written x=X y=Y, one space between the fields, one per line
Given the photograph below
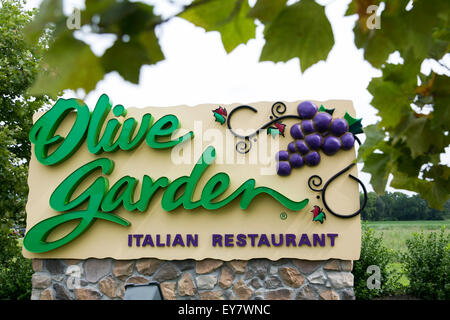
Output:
x=15 y=270
x=373 y=252
x=427 y=265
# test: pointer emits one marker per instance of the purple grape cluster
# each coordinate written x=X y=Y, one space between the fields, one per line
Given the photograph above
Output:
x=316 y=131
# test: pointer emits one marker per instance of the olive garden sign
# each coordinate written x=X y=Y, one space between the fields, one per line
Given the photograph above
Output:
x=265 y=180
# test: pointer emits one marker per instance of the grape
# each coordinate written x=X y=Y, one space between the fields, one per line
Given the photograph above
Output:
x=308 y=126
x=302 y=147
x=296 y=160
x=322 y=121
x=316 y=131
x=339 y=127
x=348 y=140
x=312 y=158
x=282 y=155
x=331 y=145
x=291 y=147
x=296 y=131
x=283 y=168
x=306 y=110
x=314 y=141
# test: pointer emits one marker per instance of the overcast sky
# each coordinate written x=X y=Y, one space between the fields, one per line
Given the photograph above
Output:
x=198 y=70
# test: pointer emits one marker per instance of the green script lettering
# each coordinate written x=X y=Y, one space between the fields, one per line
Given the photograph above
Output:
x=35 y=239
x=102 y=200
x=42 y=134
x=89 y=126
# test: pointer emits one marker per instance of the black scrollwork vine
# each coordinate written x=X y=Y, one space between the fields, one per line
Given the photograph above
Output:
x=315 y=181
x=278 y=109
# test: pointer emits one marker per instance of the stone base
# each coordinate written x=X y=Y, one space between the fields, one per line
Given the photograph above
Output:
x=256 y=279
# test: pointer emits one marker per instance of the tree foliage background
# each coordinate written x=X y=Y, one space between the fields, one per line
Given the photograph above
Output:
x=397 y=206
x=19 y=66
x=414 y=108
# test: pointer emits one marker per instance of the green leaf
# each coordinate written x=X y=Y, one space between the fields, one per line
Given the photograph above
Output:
x=440 y=118
x=435 y=192
x=273 y=132
x=228 y=17
x=49 y=11
x=300 y=30
x=320 y=217
x=354 y=124
x=219 y=118
x=128 y=57
x=400 y=30
x=266 y=10
x=323 y=109
x=121 y=17
x=420 y=136
x=151 y=44
x=350 y=120
x=378 y=44
x=441 y=39
x=405 y=163
x=69 y=64
x=393 y=92
x=422 y=21
x=417 y=135
x=374 y=137
x=378 y=165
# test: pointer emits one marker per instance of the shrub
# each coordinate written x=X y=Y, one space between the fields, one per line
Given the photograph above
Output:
x=373 y=252
x=15 y=270
x=427 y=265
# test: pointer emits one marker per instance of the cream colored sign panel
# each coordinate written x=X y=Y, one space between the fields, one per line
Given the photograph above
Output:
x=264 y=229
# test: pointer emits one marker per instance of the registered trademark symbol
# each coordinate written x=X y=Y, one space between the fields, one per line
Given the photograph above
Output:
x=283 y=215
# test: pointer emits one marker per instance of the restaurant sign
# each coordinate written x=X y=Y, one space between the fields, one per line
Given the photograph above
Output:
x=264 y=180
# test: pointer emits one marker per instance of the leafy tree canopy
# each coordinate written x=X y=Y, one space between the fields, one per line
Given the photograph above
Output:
x=398 y=206
x=19 y=65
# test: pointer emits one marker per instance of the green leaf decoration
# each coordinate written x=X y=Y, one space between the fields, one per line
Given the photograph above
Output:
x=219 y=118
x=320 y=217
x=228 y=17
x=273 y=131
x=323 y=109
x=354 y=124
x=356 y=128
x=350 y=120
x=300 y=30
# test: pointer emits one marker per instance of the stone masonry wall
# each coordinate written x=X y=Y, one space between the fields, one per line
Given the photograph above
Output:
x=100 y=279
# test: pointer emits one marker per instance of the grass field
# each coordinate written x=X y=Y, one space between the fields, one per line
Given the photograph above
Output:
x=395 y=233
